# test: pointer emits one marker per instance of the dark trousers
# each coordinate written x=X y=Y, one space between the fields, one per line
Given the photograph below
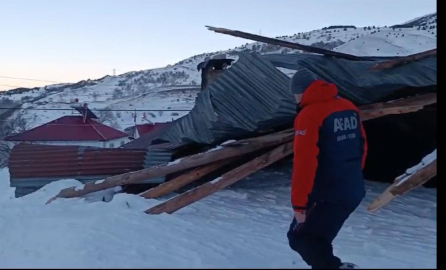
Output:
x=313 y=238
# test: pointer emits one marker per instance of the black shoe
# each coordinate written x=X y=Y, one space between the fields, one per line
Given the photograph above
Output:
x=347 y=265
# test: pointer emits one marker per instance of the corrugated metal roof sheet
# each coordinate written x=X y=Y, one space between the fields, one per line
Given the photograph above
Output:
x=253 y=94
x=34 y=165
x=354 y=79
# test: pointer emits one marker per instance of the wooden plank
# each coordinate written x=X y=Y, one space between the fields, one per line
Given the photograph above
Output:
x=404 y=60
x=168 y=168
x=375 y=113
x=196 y=194
x=406 y=105
x=420 y=100
x=287 y=44
x=396 y=189
x=225 y=180
x=187 y=178
x=281 y=135
x=184 y=179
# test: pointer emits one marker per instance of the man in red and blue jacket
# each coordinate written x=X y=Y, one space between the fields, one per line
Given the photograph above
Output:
x=330 y=149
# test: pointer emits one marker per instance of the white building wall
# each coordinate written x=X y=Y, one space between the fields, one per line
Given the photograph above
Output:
x=116 y=143
x=77 y=143
x=107 y=144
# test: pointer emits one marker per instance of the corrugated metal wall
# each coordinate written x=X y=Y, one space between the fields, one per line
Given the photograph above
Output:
x=34 y=165
x=253 y=94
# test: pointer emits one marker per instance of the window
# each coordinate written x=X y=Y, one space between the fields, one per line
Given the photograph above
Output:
x=122 y=143
x=111 y=145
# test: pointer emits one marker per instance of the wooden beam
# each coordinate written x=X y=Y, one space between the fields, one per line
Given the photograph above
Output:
x=375 y=113
x=287 y=44
x=407 y=105
x=378 y=110
x=404 y=60
x=184 y=179
x=225 y=180
x=281 y=135
x=187 y=178
x=224 y=152
x=396 y=189
x=420 y=100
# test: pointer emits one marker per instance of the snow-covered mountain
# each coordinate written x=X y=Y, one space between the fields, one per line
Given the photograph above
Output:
x=410 y=37
x=175 y=86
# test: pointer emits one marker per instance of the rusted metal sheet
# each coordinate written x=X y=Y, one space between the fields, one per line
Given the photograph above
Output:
x=34 y=165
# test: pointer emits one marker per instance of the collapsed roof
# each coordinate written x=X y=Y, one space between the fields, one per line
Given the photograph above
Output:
x=256 y=82
x=253 y=95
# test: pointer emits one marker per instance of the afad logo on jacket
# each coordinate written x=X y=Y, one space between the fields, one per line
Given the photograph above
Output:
x=346 y=124
x=300 y=132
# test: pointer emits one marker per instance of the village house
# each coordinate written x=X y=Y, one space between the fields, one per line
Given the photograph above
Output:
x=73 y=130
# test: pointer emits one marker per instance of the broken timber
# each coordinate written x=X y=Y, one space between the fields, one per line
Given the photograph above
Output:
x=404 y=60
x=401 y=187
x=380 y=109
x=234 y=149
x=187 y=178
x=225 y=180
x=182 y=180
x=394 y=62
x=411 y=104
x=286 y=44
x=377 y=110
x=176 y=166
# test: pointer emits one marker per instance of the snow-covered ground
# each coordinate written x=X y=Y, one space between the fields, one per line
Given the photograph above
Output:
x=243 y=226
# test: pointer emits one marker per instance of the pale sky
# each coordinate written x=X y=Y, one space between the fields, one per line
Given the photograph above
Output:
x=72 y=40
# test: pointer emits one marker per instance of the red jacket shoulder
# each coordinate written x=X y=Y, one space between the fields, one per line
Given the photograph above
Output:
x=348 y=104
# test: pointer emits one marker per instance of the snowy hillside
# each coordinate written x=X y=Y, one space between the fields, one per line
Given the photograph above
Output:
x=411 y=37
x=242 y=226
x=175 y=86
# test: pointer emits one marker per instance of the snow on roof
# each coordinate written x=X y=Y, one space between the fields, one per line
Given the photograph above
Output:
x=69 y=128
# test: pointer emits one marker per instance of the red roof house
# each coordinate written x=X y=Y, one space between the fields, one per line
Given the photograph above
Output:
x=73 y=130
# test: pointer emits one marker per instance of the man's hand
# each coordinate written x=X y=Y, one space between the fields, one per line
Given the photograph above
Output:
x=299 y=216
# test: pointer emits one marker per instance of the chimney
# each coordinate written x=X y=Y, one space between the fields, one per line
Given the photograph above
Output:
x=212 y=68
